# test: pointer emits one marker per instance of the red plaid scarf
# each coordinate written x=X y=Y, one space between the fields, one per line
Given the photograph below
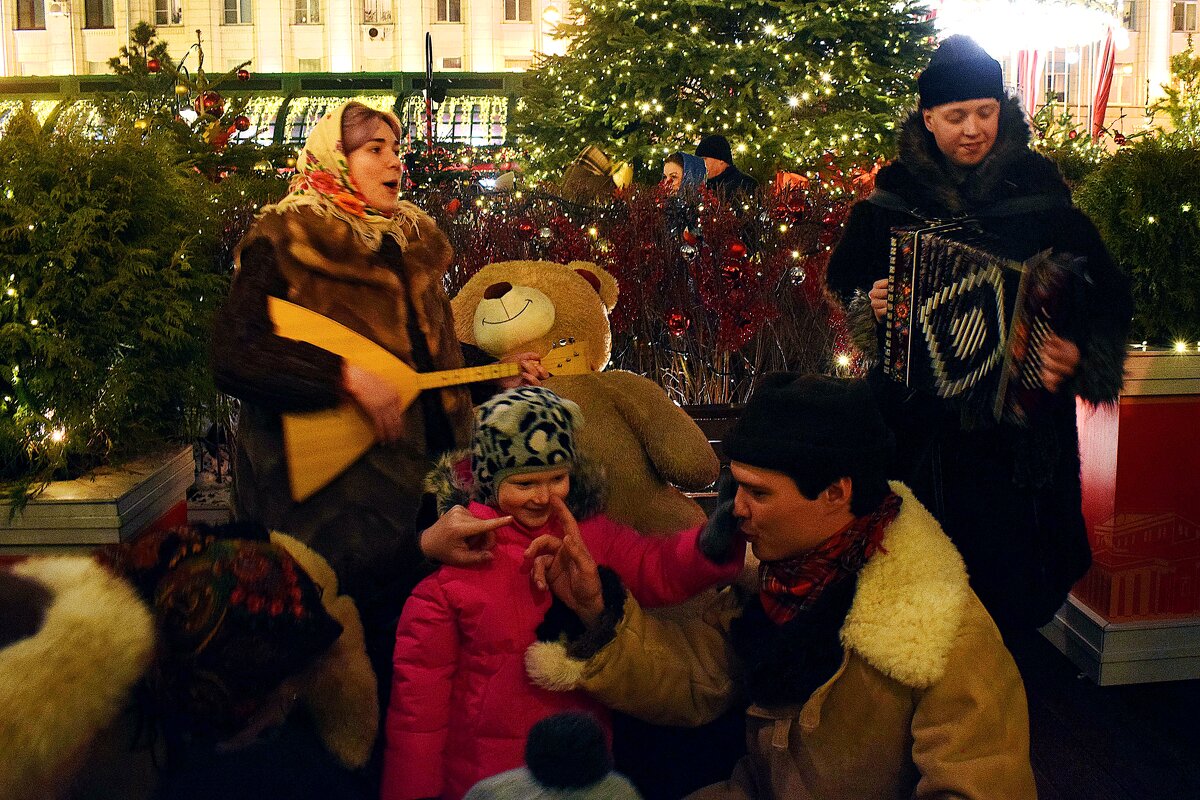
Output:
x=791 y=586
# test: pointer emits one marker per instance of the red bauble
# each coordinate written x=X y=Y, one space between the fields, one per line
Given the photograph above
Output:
x=677 y=323
x=153 y=64
x=241 y=122
x=731 y=272
x=1120 y=139
x=1072 y=134
x=243 y=74
x=453 y=206
x=526 y=228
x=737 y=250
x=210 y=103
x=690 y=237
x=829 y=219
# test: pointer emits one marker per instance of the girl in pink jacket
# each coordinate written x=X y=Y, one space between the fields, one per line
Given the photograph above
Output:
x=461 y=705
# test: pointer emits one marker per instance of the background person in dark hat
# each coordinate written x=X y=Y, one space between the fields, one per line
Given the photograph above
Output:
x=723 y=176
x=1008 y=496
x=870 y=667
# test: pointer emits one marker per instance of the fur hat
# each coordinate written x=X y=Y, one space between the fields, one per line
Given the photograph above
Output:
x=528 y=429
x=793 y=418
x=960 y=70
x=715 y=146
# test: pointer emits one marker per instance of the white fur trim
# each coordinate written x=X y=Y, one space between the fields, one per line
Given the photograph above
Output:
x=71 y=679
x=910 y=598
x=548 y=666
x=340 y=690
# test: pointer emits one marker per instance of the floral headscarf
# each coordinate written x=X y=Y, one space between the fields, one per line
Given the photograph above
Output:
x=323 y=183
x=236 y=617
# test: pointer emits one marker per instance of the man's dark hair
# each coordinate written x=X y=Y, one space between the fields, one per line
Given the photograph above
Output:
x=868 y=480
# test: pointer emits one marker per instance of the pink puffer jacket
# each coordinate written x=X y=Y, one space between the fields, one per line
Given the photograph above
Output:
x=461 y=703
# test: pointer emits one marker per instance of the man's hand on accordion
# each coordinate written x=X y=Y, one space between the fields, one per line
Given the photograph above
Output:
x=878 y=296
x=1060 y=359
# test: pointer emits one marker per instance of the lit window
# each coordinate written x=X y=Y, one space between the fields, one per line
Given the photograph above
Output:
x=1184 y=15
x=308 y=12
x=97 y=13
x=449 y=10
x=518 y=10
x=238 y=12
x=168 y=12
x=31 y=15
x=377 y=11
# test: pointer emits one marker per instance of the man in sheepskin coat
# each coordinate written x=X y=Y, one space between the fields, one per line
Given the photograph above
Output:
x=1008 y=495
x=869 y=667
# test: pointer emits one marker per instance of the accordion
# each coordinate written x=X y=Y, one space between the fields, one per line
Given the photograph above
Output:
x=966 y=323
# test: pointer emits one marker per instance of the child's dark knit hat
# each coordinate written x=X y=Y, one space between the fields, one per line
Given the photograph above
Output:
x=960 y=70
x=528 y=429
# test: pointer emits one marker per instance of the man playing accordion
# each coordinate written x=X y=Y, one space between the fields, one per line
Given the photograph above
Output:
x=1005 y=487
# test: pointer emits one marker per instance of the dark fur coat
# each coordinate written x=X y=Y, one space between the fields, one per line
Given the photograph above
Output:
x=1009 y=497
x=363 y=522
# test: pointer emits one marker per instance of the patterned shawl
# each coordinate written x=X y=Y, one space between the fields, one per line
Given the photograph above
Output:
x=323 y=183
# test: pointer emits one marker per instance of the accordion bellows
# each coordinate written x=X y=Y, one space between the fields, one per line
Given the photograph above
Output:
x=966 y=323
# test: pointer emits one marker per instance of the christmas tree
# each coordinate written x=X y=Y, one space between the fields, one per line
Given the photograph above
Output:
x=786 y=82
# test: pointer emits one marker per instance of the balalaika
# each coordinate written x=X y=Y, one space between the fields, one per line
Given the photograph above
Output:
x=963 y=322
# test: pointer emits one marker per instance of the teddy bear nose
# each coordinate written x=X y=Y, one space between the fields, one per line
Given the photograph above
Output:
x=497 y=290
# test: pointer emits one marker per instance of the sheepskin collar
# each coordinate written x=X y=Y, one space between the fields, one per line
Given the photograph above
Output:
x=69 y=680
x=923 y=177
x=910 y=598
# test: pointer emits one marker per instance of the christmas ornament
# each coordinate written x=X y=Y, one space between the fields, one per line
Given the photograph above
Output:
x=687 y=251
x=153 y=65
x=546 y=234
x=731 y=272
x=241 y=122
x=1072 y=134
x=737 y=250
x=453 y=206
x=210 y=103
x=525 y=227
x=263 y=166
x=797 y=275
x=181 y=90
x=290 y=162
x=243 y=74
x=690 y=237
x=1120 y=139
x=677 y=323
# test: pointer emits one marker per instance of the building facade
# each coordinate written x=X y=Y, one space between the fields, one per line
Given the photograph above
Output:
x=77 y=37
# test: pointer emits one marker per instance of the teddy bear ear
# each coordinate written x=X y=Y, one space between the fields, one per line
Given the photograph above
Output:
x=604 y=283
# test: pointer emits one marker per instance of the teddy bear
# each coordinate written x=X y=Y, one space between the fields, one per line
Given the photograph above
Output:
x=647 y=445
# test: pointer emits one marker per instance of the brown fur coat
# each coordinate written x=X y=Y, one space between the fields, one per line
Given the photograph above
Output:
x=363 y=522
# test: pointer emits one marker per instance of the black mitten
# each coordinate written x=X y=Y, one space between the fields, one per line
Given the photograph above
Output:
x=717 y=538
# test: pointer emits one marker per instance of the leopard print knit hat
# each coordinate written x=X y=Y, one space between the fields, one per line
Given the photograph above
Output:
x=528 y=429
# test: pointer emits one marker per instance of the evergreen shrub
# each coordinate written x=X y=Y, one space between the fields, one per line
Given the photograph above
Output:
x=1145 y=200
x=106 y=294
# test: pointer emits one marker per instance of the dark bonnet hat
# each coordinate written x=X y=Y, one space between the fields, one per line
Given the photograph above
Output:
x=715 y=146
x=960 y=70
x=793 y=418
x=236 y=616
